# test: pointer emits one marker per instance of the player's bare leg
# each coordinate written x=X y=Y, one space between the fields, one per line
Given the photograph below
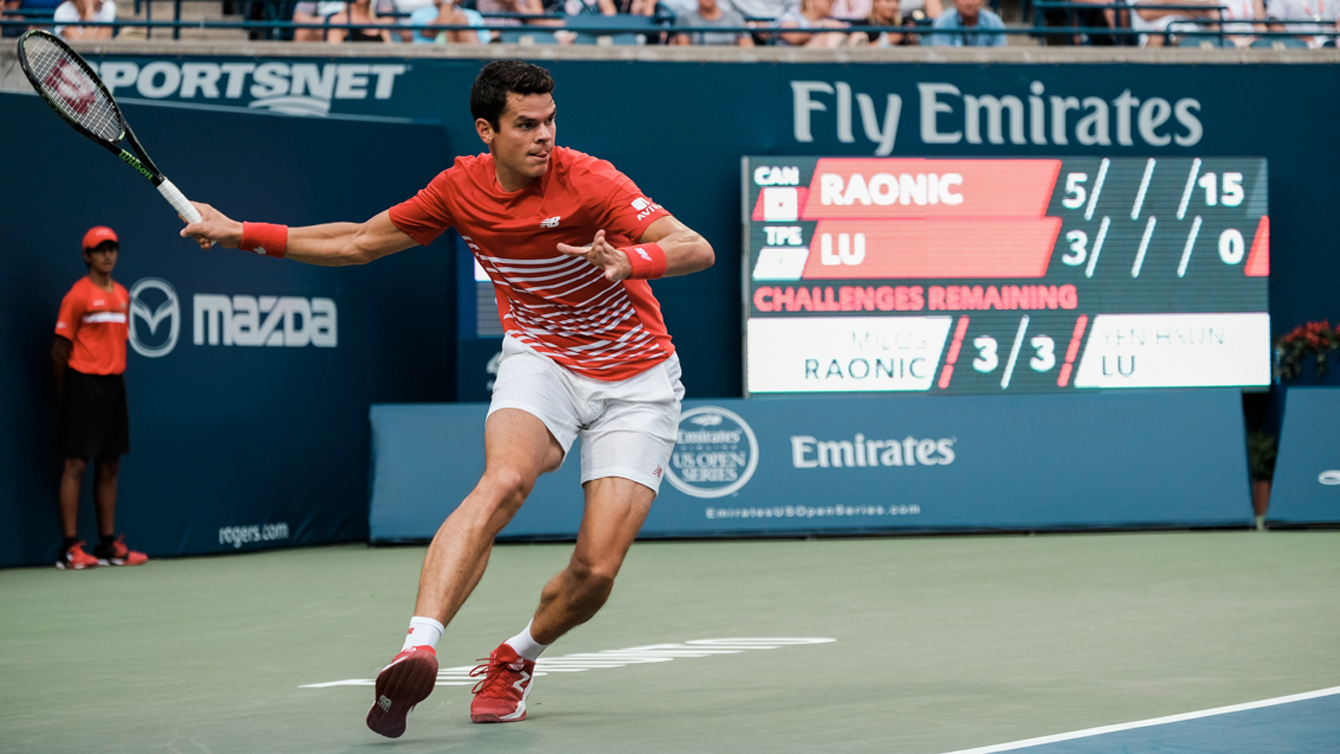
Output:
x=72 y=553
x=105 y=472
x=615 y=510
x=517 y=448
x=70 y=481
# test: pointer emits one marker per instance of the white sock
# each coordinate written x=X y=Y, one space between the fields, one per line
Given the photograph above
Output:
x=423 y=632
x=525 y=644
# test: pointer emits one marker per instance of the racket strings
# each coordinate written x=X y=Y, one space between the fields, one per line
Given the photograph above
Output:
x=65 y=84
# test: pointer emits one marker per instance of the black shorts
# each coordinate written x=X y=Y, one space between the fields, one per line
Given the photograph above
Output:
x=94 y=421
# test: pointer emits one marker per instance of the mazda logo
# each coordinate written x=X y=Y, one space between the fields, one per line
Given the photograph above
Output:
x=153 y=310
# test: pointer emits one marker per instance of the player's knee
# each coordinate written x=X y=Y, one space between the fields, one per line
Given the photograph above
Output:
x=75 y=466
x=510 y=487
x=595 y=578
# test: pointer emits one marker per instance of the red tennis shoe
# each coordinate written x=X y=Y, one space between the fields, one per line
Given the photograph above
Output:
x=501 y=696
x=75 y=559
x=408 y=680
x=119 y=555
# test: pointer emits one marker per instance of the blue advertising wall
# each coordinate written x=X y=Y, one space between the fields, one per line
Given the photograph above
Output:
x=850 y=465
x=679 y=128
x=231 y=439
x=233 y=446
x=1306 y=487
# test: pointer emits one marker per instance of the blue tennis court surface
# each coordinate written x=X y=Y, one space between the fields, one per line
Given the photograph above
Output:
x=1302 y=723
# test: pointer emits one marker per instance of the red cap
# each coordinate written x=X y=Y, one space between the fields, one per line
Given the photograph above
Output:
x=99 y=234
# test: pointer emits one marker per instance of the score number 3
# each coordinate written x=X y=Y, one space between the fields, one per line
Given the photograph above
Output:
x=1044 y=357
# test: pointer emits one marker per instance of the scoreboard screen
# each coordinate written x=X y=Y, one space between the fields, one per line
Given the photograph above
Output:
x=963 y=276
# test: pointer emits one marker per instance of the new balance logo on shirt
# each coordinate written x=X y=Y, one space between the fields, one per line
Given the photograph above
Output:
x=384 y=702
x=550 y=222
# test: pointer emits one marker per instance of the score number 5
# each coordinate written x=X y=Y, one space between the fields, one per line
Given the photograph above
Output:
x=1075 y=193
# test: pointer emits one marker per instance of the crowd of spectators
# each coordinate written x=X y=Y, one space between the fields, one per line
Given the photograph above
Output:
x=1237 y=23
x=746 y=23
x=66 y=16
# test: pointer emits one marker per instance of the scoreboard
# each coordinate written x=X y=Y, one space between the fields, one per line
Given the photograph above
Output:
x=963 y=276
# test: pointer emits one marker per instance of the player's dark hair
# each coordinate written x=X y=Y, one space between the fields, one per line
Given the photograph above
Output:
x=488 y=96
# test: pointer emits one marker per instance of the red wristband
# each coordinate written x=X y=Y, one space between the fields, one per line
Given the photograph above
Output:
x=264 y=238
x=648 y=260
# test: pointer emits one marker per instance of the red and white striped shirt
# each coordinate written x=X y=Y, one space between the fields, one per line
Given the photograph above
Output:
x=561 y=306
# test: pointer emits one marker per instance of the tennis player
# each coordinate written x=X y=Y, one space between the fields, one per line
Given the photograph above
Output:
x=569 y=243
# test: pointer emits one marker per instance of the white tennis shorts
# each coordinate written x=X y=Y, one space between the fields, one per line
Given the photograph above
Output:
x=628 y=428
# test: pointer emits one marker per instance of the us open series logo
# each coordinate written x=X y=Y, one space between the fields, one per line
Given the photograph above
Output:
x=715 y=454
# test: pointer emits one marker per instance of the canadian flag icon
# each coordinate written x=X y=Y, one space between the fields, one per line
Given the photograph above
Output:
x=781 y=204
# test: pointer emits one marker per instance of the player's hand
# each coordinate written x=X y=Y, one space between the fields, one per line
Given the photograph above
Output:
x=601 y=254
x=213 y=227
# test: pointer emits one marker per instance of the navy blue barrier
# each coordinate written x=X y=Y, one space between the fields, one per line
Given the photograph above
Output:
x=849 y=465
x=235 y=445
x=1306 y=488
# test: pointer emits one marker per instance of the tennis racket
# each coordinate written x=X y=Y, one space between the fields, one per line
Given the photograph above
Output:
x=68 y=84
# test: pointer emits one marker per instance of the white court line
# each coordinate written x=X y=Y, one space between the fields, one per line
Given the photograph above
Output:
x=609 y=658
x=1097 y=189
x=1088 y=732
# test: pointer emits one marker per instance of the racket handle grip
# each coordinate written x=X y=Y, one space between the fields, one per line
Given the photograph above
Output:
x=178 y=201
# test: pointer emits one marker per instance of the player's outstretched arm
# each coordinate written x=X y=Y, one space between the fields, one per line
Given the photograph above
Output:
x=684 y=251
x=328 y=245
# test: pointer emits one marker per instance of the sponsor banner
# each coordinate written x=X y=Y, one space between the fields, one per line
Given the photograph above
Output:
x=156 y=318
x=950 y=105
x=814 y=465
x=1306 y=486
x=289 y=87
x=241 y=320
